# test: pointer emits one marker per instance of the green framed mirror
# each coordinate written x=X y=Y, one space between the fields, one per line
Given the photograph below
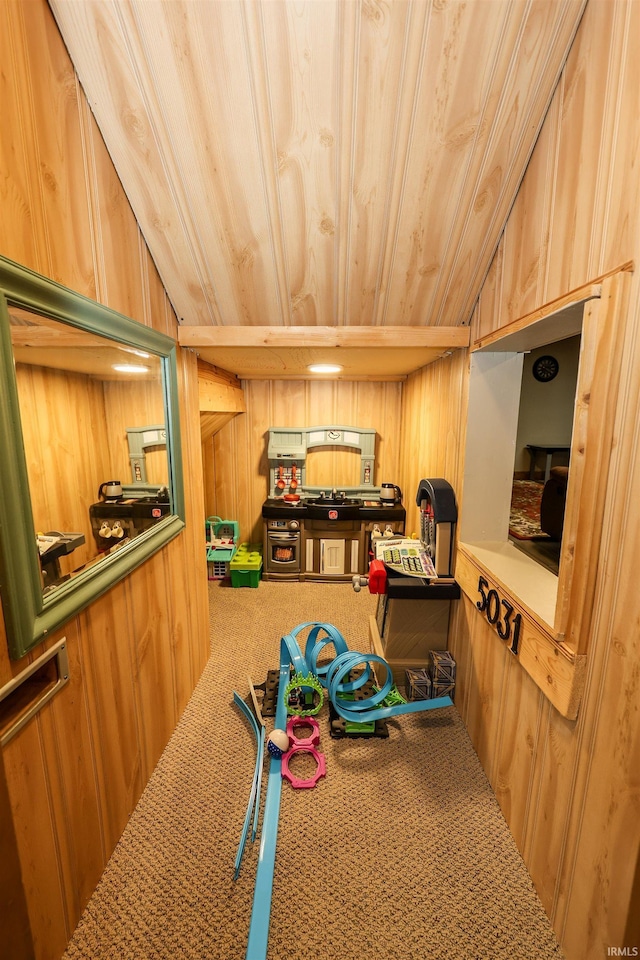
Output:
x=90 y=458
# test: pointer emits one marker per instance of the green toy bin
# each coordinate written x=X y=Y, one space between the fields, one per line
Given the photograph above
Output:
x=246 y=566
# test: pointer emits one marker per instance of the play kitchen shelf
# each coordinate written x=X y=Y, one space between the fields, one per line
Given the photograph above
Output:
x=221 y=545
x=312 y=533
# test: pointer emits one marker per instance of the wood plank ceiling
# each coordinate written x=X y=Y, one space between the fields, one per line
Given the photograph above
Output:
x=320 y=163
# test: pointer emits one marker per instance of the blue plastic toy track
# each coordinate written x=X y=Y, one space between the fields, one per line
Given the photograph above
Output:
x=253 y=805
x=360 y=711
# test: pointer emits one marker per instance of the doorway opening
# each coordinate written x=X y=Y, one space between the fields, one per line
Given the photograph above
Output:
x=542 y=449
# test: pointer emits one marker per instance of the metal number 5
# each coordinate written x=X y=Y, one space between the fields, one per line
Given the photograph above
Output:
x=482 y=603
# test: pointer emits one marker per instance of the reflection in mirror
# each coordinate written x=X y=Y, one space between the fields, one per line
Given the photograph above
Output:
x=92 y=415
x=90 y=453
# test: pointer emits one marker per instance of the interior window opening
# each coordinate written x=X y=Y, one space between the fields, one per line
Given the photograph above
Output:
x=522 y=401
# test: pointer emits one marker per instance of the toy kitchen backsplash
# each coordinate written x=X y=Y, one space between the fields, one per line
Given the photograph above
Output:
x=316 y=533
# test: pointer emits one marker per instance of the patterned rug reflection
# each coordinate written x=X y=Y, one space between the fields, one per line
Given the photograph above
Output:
x=524 y=520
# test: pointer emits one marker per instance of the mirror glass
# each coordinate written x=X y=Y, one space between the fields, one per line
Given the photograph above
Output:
x=87 y=405
x=91 y=454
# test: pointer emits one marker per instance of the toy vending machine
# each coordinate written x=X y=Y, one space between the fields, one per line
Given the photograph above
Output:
x=429 y=558
x=414 y=583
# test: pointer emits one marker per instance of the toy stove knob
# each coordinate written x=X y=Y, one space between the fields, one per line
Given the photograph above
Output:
x=294 y=524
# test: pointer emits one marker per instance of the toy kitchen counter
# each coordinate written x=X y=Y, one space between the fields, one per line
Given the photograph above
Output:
x=325 y=536
x=312 y=533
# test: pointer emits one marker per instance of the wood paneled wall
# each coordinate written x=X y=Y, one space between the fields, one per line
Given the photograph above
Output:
x=235 y=459
x=433 y=428
x=74 y=430
x=74 y=774
x=569 y=790
x=65 y=455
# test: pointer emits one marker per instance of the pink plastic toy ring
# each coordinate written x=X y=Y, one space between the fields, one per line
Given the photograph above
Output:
x=311 y=781
x=296 y=722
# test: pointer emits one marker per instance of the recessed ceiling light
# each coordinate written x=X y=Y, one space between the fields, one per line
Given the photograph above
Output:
x=324 y=367
x=130 y=368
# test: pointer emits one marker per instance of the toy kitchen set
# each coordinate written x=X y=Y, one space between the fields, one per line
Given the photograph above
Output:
x=123 y=511
x=311 y=533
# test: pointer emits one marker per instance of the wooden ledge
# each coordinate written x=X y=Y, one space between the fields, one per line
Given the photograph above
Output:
x=551 y=664
x=285 y=353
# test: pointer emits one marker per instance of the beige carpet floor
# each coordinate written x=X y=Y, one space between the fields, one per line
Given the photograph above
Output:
x=401 y=853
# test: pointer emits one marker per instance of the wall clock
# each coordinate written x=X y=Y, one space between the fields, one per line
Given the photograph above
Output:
x=545 y=368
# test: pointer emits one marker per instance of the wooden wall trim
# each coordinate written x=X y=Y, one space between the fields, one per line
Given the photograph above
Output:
x=580 y=294
x=323 y=336
x=285 y=353
x=592 y=447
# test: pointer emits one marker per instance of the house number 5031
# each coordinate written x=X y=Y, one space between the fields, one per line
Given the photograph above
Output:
x=500 y=614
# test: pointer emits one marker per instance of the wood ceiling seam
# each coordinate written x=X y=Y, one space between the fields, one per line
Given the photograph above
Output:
x=344 y=196
x=345 y=293
x=480 y=126
x=394 y=204
x=91 y=179
x=493 y=136
x=166 y=148
x=388 y=251
x=615 y=112
x=34 y=197
x=81 y=21
x=197 y=242
x=271 y=184
x=551 y=186
x=560 y=72
x=489 y=237
x=304 y=167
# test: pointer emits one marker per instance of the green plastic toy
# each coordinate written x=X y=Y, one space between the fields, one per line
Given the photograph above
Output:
x=300 y=695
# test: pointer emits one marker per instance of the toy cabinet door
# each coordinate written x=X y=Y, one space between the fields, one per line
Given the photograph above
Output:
x=332 y=557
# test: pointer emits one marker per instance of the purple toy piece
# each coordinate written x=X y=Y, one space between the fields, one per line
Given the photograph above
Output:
x=320 y=771
x=314 y=737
